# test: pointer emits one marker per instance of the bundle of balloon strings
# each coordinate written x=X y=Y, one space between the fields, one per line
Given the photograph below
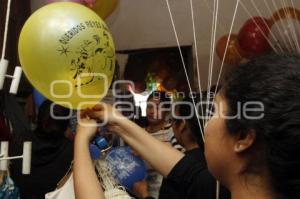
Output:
x=111 y=188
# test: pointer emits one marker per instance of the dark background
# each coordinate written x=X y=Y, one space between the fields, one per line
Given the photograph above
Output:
x=20 y=11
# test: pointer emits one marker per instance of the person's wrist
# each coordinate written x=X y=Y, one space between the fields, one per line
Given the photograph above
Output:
x=122 y=120
x=82 y=138
x=118 y=117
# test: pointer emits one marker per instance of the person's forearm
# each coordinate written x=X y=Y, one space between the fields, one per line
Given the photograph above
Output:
x=86 y=182
x=161 y=156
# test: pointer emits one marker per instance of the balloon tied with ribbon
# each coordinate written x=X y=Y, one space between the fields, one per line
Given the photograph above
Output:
x=260 y=35
x=72 y=64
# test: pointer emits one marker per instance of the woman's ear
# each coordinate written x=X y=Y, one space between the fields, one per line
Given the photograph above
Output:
x=245 y=142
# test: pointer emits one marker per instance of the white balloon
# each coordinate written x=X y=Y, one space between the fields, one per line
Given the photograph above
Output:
x=285 y=35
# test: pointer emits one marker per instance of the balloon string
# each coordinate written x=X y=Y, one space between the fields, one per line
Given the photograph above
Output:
x=281 y=21
x=111 y=189
x=212 y=50
x=262 y=32
x=267 y=25
x=226 y=49
x=282 y=25
x=199 y=80
x=220 y=24
x=294 y=36
x=197 y=57
x=271 y=14
x=296 y=29
x=184 y=66
x=6 y=29
x=278 y=29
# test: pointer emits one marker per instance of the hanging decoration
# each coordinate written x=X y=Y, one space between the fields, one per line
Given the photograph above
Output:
x=151 y=82
x=285 y=33
x=284 y=13
x=68 y=57
x=233 y=54
x=253 y=37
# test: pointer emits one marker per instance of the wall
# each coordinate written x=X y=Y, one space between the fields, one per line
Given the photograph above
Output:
x=146 y=24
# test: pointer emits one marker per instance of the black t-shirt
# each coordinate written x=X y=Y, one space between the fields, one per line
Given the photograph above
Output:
x=190 y=179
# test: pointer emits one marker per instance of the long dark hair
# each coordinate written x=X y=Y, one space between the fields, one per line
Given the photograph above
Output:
x=274 y=81
x=203 y=108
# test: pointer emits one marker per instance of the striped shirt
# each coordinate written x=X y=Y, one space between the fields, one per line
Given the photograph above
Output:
x=167 y=135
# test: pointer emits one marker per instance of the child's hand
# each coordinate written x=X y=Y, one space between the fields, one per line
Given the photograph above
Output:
x=86 y=129
x=115 y=129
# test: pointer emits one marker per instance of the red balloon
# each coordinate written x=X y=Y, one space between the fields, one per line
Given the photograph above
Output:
x=253 y=36
x=234 y=54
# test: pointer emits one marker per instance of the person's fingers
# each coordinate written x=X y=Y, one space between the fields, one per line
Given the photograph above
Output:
x=84 y=121
x=99 y=107
x=113 y=128
x=84 y=113
x=98 y=115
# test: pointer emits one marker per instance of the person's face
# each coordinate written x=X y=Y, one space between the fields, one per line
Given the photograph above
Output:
x=154 y=114
x=218 y=142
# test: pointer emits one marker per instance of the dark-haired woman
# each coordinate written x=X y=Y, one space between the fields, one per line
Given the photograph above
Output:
x=198 y=183
x=252 y=143
x=253 y=140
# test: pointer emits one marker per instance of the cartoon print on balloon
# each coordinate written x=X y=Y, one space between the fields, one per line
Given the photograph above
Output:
x=81 y=64
x=109 y=52
x=89 y=57
x=122 y=164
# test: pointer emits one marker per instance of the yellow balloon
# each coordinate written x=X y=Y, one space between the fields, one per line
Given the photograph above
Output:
x=68 y=54
x=104 y=8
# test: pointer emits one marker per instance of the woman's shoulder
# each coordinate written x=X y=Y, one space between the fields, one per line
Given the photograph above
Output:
x=190 y=165
x=193 y=178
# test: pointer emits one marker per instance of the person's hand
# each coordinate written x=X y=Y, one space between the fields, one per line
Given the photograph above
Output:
x=104 y=113
x=115 y=128
x=86 y=129
x=141 y=189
